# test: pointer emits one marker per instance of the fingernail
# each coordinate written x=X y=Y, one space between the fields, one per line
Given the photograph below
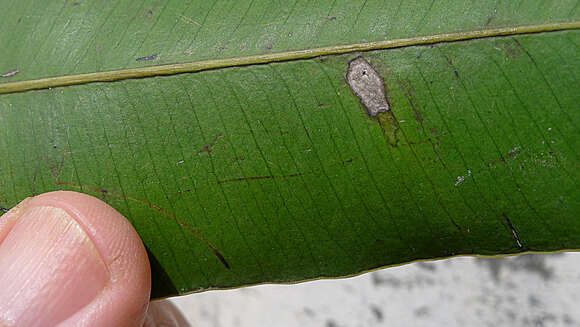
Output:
x=49 y=268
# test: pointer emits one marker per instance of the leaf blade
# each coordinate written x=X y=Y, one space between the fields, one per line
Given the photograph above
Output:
x=280 y=168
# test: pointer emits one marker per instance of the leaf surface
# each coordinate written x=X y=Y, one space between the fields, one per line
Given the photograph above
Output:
x=275 y=172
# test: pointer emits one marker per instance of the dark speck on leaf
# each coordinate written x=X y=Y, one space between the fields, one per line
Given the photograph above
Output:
x=4 y=210
x=221 y=258
x=332 y=19
x=456 y=73
x=149 y=12
x=151 y=57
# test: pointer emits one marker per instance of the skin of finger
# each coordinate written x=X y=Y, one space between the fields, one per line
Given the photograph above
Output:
x=124 y=300
x=9 y=219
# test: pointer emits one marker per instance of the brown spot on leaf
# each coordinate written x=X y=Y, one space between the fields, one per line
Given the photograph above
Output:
x=208 y=148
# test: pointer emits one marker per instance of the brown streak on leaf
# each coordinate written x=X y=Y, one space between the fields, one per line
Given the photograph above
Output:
x=257 y=178
x=410 y=95
x=241 y=179
x=34 y=181
x=254 y=178
x=427 y=141
x=208 y=148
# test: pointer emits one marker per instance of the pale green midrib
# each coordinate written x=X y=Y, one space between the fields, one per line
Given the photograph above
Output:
x=197 y=66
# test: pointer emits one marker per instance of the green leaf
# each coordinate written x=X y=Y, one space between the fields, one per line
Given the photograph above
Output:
x=258 y=163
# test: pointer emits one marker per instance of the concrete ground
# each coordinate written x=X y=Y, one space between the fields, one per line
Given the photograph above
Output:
x=530 y=290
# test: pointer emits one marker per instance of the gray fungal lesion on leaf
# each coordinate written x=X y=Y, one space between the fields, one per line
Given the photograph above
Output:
x=369 y=86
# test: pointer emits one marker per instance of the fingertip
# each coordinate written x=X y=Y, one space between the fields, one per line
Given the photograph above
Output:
x=123 y=297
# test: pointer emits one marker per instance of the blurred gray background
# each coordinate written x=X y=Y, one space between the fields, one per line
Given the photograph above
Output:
x=528 y=290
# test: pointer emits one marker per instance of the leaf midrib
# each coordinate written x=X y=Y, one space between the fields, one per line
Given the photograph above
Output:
x=197 y=66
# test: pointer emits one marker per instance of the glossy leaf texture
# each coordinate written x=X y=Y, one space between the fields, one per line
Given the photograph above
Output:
x=275 y=172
